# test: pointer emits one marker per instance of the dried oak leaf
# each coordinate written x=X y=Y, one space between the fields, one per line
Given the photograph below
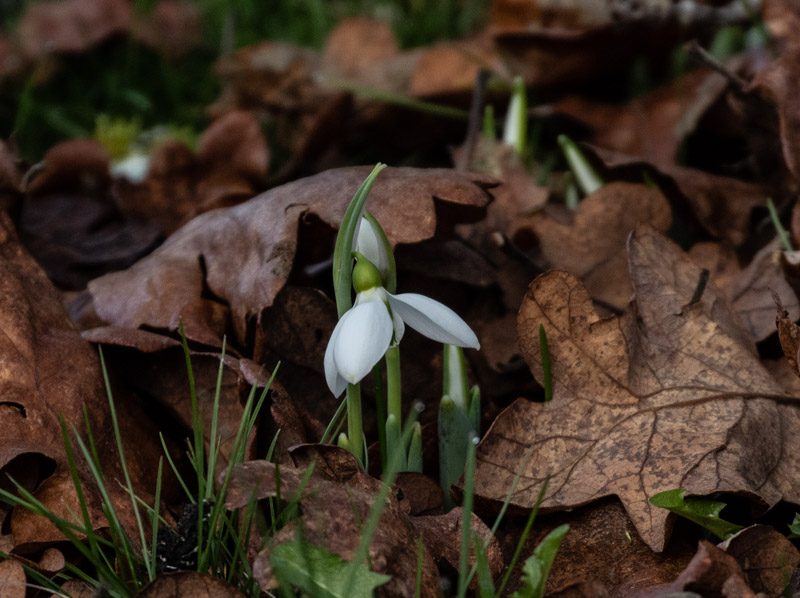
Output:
x=750 y=290
x=356 y=44
x=189 y=583
x=669 y=395
x=48 y=371
x=766 y=556
x=242 y=256
x=592 y=246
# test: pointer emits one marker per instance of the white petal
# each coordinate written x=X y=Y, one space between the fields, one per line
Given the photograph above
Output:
x=433 y=319
x=364 y=335
x=371 y=248
x=336 y=383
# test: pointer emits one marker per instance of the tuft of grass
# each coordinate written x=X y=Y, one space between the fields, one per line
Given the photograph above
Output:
x=119 y=566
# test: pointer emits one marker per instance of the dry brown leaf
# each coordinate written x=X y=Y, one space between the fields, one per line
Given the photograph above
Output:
x=48 y=370
x=602 y=548
x=69 y=223
x=356 y=44
x=712 y=573
x=751 y=290
x=723 y=205
x=243 y=255
x=173 y=27
x=12 y=579
x=189 y=583
x=653 y=126
x=788 y=335
x=332 y=507
x=592 y=246
x=230 y=167
x=670 y=395
x=768 y=559
x=70 y=25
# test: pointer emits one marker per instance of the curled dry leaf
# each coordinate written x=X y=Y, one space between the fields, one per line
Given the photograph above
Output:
x=241 y=257
x=49 y=370
x=189 y=583
x=712 y=572
x=592 y=246
x=768 y=559
x=788 y=335
x=669 y=395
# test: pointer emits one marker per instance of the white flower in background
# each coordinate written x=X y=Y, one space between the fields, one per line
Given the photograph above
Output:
x=378 y=318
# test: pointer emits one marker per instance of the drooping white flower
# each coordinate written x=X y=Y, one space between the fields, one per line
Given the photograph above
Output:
x=365 y=332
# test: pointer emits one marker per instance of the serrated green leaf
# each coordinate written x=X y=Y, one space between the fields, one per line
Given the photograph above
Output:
x=537 y=567
x=702 y=511
x=321 y=573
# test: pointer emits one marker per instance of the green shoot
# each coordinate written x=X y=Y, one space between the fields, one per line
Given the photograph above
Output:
x=776 y=222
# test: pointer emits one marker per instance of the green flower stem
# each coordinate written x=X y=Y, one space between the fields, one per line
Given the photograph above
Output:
x=355 y=432
x=393 y=397
x=380 y=411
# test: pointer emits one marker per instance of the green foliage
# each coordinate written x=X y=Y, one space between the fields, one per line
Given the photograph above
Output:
x=794 y=527
x=321 y=573
x=459 y=419
x=702 y=511
x=537 y=567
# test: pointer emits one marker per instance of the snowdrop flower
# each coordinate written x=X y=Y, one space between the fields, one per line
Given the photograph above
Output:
x=377 y=319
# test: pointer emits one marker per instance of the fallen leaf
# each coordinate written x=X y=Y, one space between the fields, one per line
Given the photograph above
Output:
x=49 y=370
x=766 y=556
x=70 y=25
x=752 y=289
x=230 y=167
x=69 y=222
x=356 y=44
x=332 y=511
x=173 y=27
x=188 y=583
x=788 y=335
x=669 y=395
x=242 y=256
x=591 y=246
x=721 y=204
x=12 y=579
x=710 y=573
x=601 y=549
x=653 y=126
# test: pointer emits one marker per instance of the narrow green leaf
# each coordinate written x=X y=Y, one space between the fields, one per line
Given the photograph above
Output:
x=342 y=259
x=585 y=175
x=702 y=511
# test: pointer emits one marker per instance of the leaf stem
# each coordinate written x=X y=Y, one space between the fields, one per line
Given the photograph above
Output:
x=355 y=432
